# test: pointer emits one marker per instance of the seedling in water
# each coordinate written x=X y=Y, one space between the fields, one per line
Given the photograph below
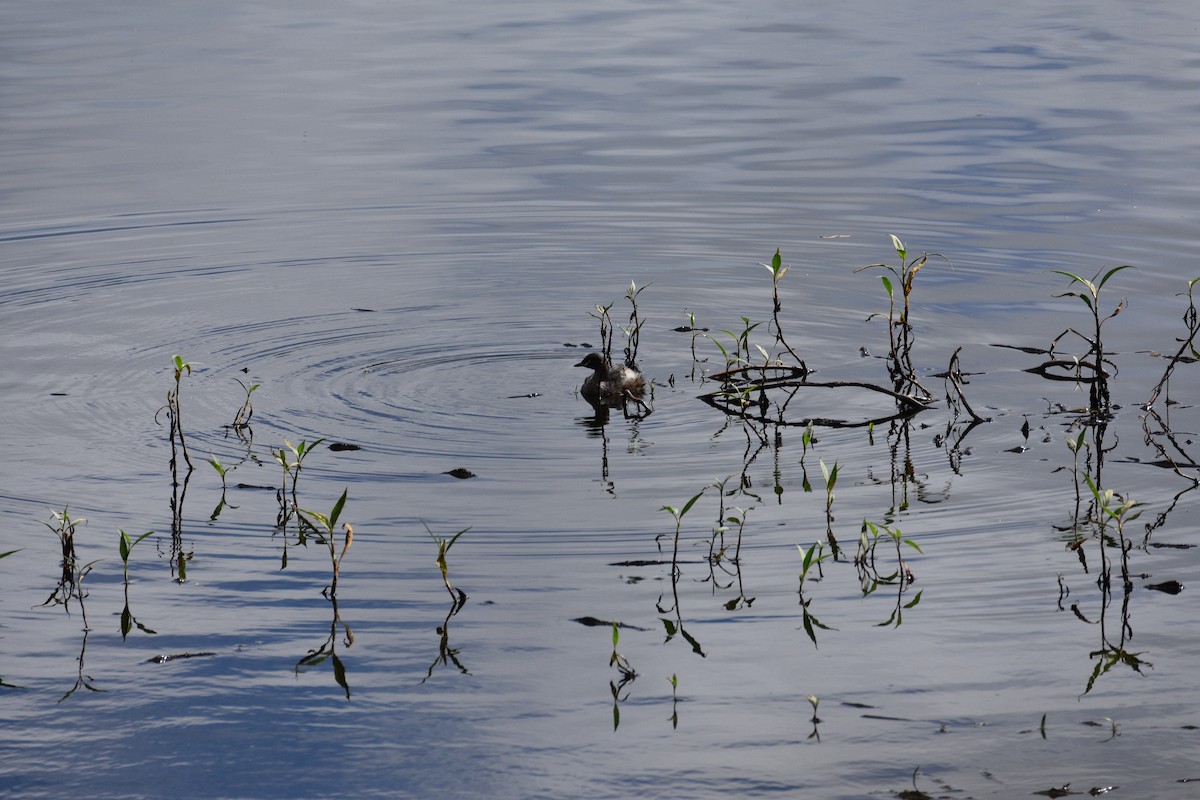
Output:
x=175 y=414
x=125 y=545
x=628 y=673
x=812 y=557
x=814 y=701
x=1090 y=296
x=1075 y=445
x=241 y=421
x=900 y=330
x=1112 y=506
x=223 y=471
x=831 y=476
x=741 y=344
x=674 y=681
x=444 y=546
x=778 y=270
x=291 y=469
x=606 y=328
x=696 y=333
x=678 y=515
x=70 y=584
x=633 y=330
x=328 y=529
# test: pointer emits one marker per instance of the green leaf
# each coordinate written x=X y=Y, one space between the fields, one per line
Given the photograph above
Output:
x=9 y=553
x=776 y=261
x=688 y=506
x=1112 y=272
x=454 y=538
x=337 y=508
x=899 y=245
x=616 y=636
x=887 y=285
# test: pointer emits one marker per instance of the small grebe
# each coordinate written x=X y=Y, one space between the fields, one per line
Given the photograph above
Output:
x=611 y=384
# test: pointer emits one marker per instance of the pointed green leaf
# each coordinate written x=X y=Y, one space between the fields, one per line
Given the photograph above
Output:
x=337 y=508
x=688 y=506
x=1112 y=272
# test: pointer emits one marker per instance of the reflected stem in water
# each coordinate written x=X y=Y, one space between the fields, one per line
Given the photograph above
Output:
x=446 y=654
x=81 y=680
x=328 y=649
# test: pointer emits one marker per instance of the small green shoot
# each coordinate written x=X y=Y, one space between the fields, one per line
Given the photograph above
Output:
x=831 y=476
x=241 y=420
x=674 y=681
x=778 y=270
x=223 y=471
x=125 y=545
x=633 y=330
x=900 y=330
x=70 y=584
x=291 y=469
x=814 y=701
x=1089 y=295
x=444 y=545
x=328 y=526
x=175 y=412
x=678 y=514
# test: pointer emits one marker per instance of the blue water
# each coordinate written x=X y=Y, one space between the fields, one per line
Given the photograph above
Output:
x=393 y=218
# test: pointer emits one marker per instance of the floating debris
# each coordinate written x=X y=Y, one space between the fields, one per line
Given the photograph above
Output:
x=163 y=659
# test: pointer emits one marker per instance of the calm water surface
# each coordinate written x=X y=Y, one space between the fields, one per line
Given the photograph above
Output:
x=393 y=218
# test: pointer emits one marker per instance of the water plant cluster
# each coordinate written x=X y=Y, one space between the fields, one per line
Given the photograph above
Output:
x=294 y=526
x=758 y=375
x=754 y=376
